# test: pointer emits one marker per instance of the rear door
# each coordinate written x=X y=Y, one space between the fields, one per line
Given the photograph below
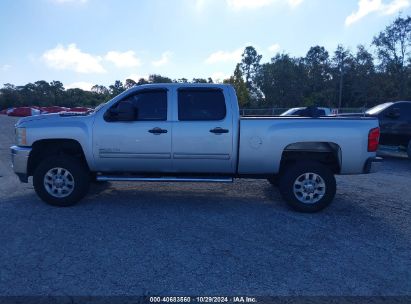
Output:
x=395 y=123
x=404 y=124
x=203 y=132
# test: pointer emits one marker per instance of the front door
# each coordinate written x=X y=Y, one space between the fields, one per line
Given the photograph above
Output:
x=395 y=123
x=142 y=144
x=202 y=132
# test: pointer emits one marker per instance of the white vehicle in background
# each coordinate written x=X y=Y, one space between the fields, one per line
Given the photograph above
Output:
x=301 y=111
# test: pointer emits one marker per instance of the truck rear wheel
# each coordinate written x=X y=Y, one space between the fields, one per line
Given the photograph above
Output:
x=308 y=186
x=273 y=180
x=61 y=180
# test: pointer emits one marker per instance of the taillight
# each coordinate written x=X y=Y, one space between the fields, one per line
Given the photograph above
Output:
x=373 y=138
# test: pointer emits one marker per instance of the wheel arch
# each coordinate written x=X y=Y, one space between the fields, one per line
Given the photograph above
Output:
x=327 y=153
x=44 y=148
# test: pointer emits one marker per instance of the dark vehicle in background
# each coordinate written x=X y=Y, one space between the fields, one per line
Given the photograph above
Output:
x=301 y=111
x=395 y=123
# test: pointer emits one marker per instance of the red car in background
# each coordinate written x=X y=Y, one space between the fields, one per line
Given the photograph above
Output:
x=23 y=111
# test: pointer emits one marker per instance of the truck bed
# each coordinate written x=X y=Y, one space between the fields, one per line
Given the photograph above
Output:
x=263 y=140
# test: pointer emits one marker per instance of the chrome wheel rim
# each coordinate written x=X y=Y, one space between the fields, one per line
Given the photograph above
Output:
x=59 y=182
x=309 y=188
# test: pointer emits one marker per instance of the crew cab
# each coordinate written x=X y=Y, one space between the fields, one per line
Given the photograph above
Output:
x=190 y=133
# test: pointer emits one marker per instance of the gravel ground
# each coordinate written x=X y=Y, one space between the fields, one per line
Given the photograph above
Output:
x=206 y=239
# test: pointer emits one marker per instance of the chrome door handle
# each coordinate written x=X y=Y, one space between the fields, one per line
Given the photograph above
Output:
x=157 y=131
x=218 y=130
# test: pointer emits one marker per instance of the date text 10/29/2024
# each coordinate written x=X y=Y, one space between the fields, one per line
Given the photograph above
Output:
x=206 y=299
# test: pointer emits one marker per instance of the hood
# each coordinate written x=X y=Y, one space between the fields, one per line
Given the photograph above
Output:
x=53 y=116
x=35 y=117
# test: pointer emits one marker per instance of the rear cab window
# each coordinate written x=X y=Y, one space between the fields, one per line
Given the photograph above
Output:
x=201 y=104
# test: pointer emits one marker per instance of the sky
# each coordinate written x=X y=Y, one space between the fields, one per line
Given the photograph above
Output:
x=87 y=42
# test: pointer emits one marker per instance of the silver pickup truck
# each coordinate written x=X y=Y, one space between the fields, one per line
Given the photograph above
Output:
x=190 y=133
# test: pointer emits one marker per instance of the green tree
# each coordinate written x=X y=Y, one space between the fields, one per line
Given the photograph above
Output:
x=318 y=89
x=199 y=80
x=142 y=81
x=154 y=78
x=100 y=90
x=9 y=96
x=364 y=90
x=57 y=90
x=237 y=81
x=393 y=50
x=129 y=83
x=250 y=66
x=116 y=88
x=282 y=81
x=342 y=61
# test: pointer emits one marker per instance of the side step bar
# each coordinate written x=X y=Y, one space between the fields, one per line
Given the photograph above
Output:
x=164 y=179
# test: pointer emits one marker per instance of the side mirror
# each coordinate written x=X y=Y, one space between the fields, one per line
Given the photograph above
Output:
x=124 y=111
x=394 y=113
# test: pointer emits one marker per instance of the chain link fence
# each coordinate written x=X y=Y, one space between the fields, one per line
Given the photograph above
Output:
x=278 y=111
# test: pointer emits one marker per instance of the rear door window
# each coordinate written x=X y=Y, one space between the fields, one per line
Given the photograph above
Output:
x=201 y=104
x=405 y=111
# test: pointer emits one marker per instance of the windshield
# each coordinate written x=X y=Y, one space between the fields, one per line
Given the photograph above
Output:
x=378 y=109
x=99 y=106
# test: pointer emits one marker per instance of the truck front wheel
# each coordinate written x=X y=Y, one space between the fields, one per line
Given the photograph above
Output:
x=308 y=186
x=61 y=180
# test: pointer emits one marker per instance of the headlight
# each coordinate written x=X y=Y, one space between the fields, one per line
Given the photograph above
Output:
x=21 y=139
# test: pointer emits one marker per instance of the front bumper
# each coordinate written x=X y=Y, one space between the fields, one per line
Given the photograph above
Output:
x=372 y=165
x=19 y=161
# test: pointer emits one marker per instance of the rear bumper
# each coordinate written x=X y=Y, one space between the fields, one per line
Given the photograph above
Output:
x=19 y=161
x=372 y=165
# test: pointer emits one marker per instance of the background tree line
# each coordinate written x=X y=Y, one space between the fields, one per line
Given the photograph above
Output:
x=345 y=78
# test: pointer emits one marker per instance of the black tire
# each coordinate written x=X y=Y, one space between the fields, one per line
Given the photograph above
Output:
x=80 y=179
x=409 y=150
x=273 y=181
x=314 y=184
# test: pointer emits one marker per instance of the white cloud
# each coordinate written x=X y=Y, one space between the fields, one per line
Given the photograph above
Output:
x=123 y=60
x=165 y=58
x=224 y=56
x=274 y=48
x=294 y=3
x=248 y=4
x=5 y=67
x=86 y=86
x=395 y=6
x=200 y=4
x=255 y=4
x=366 y=7
x=72 y=58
